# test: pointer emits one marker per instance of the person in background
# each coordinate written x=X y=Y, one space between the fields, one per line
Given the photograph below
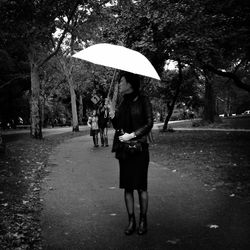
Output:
x=103 y=119
x=133 y=121
x=94 y=129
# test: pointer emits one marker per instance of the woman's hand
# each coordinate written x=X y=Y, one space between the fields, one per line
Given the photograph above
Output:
x=111 y=108
x=127 y=137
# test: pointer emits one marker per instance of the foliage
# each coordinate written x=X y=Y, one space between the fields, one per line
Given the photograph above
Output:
x=197 y=32
x=190 y=95
x=208 y=34
x=32 y=25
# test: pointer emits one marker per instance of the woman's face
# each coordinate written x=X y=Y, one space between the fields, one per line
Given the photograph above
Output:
x=124 y=86
x=94 y=112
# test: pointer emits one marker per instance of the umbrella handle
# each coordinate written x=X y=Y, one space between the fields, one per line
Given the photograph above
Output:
x=112 y=83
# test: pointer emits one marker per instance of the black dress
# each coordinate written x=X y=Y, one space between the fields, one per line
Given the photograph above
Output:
x=134 y=115
x=134 y=171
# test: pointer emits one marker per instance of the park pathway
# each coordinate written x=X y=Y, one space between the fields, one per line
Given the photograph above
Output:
x=83 y=207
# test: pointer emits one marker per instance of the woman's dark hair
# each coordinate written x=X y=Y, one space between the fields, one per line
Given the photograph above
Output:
x=133 y=79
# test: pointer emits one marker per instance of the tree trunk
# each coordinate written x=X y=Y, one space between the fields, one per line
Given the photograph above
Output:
x=67 y=71
x=42 y=103
x=172 y=104
x=73 y=105
x=42 y=112
x=35 y=116
x=209 y=105
x=80 y=110
x=170 y=112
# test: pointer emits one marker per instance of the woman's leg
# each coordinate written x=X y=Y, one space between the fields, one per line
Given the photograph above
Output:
x=102 y=136
x=106 y=137
x=96 y=138
x=93 y=139
x=129 y=201
x=143 y=200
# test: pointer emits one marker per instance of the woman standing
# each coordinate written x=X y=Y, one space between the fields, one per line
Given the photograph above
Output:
x=133 y=121
x=103 y=119
x=94 y=129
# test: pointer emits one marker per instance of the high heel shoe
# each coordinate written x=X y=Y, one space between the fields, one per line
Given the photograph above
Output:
x=142 y=229
x=131 y=225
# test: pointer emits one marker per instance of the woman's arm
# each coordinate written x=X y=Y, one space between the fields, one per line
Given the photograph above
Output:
x=89 y=122
x=112 y=113
x=144 y=130
x=149 y=118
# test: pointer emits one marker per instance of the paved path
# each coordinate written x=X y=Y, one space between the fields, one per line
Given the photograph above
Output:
x=45 y=131
x=84 y=209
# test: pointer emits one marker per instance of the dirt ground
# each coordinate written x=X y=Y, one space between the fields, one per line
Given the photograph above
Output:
x=218 y=159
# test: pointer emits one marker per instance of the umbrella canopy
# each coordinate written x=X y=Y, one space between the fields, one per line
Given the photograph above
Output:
x=118 y=57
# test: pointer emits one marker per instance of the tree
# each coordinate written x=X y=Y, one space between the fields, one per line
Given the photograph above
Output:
x=83 y=30
x=32 y=23
x=206 y=35
x=175 y=96
x=233 y=50
x=14 y=82
x=54 y=92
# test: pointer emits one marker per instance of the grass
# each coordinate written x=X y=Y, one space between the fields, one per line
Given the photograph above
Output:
x=239 y=122
x=218 y=159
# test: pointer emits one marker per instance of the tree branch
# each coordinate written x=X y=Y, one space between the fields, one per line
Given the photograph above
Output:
x=62 y=36
x=230 y=75
x=26 y=76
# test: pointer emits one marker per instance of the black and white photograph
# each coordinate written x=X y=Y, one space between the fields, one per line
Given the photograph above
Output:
x=124 y=125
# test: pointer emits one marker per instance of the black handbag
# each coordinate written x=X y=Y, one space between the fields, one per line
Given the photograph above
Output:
x=125 y=149
x=132 y=147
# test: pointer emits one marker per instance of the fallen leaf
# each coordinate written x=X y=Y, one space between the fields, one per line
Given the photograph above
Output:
x=213 y=226
x=173 y=242
x=219 y=184
x=18 y=236
x=20 y=215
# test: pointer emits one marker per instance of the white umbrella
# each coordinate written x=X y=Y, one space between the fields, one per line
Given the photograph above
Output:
x=118 y=57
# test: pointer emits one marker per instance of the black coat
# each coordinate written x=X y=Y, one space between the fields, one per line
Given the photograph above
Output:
x=135 y=115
